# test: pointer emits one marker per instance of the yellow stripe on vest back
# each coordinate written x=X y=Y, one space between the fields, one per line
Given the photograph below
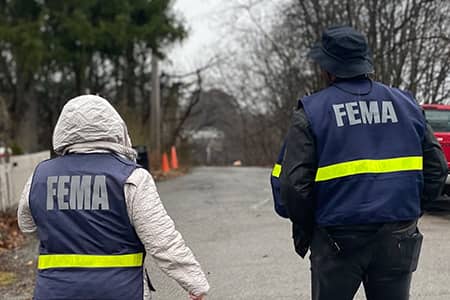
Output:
x=47 y=261
x=363 y=166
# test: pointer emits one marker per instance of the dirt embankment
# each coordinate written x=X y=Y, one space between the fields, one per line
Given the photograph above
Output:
x=17 y=260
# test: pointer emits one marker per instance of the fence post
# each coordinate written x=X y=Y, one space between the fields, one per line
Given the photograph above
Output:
x=3 y=187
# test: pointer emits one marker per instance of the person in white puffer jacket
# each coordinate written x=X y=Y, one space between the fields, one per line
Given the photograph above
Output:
x=89 y=128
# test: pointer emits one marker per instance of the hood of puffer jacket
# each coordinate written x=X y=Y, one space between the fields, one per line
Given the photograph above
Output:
x=91 y=120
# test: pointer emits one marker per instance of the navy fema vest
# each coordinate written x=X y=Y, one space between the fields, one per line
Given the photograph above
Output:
x=88 y=247
x=369 y=152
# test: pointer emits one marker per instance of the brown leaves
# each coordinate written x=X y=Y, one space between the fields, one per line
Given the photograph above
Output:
x=10 y=235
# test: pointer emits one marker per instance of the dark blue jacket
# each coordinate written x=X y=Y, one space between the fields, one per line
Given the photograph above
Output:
x=369 y=153
x=88 y=248
x=301 y=182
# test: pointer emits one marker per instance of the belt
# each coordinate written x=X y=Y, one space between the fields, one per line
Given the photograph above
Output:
x=386 y=228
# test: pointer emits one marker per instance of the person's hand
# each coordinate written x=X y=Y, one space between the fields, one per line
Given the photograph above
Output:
x=193 y=297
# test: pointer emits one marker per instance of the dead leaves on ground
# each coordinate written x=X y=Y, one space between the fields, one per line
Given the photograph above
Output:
x=10 y=235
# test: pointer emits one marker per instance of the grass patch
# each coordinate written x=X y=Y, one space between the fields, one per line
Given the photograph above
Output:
x=7 y=278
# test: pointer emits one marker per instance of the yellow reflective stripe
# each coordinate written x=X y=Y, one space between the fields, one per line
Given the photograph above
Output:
x=410 y=163
x=276 y=171
x=89 y=261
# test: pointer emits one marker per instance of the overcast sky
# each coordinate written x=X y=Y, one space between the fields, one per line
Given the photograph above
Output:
x=201 y=18
x=209 y=24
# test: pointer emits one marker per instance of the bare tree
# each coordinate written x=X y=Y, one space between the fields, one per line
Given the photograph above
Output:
x=409 y=40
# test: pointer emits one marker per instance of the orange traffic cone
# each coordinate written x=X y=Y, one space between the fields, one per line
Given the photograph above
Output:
x=173 y=158
x=165 y=163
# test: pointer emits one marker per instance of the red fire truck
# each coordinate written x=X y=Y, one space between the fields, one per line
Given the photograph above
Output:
x=438 y=116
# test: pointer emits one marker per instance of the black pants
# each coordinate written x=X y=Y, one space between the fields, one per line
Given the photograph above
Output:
x=384 y=264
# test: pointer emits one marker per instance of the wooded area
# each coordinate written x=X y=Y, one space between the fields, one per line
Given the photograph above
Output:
x=54 y=50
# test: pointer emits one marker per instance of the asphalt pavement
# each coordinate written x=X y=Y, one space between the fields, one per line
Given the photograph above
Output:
x=227 y=219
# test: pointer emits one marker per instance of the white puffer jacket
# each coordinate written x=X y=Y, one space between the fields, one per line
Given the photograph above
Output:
x=90 y=124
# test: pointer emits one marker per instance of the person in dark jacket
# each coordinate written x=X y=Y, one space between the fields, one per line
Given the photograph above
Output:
x=360 y=165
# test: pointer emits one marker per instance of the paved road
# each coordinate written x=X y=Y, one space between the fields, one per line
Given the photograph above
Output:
x=226 y=216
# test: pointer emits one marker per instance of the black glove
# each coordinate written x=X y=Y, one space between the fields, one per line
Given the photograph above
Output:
x=302 y=239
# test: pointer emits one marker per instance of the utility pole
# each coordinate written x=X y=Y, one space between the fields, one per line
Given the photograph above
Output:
x=155 y=121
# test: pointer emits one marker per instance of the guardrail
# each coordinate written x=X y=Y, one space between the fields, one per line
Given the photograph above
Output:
x=14 y=173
